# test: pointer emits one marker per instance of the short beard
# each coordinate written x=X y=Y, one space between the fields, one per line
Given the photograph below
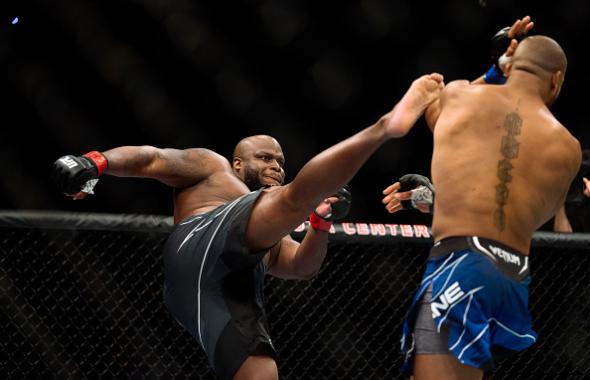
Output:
x=252 y=179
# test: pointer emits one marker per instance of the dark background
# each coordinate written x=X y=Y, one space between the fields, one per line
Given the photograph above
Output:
x=79 y=75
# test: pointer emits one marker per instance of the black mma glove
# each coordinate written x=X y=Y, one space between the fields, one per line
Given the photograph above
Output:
x=341 y=207
x=339 y=210
x=422 y=191
x=73 y=174
x=499 y=44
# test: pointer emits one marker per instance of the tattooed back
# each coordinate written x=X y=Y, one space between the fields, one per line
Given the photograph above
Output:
x=501 y=164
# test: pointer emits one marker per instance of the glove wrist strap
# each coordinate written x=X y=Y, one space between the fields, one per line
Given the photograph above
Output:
x=494 y=76
x=99 y=160
x=318 y=223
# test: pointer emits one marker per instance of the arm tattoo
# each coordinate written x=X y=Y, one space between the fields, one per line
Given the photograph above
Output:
x=509 y=150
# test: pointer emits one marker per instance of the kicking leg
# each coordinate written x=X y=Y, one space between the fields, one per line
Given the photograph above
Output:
x=279 y=211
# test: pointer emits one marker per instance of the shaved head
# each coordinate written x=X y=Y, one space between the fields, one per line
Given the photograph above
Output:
x=249 y=144
x=539 y=55
x=258 y=161
x=542 y=57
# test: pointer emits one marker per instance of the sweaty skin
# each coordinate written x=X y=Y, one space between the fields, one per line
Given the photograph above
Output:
x=502 y=163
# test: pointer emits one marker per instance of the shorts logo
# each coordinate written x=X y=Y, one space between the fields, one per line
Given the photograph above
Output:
x=449 y=296
x=69 y=162
x=505 y=255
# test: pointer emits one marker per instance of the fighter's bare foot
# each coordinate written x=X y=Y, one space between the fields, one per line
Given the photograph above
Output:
x=419 y=96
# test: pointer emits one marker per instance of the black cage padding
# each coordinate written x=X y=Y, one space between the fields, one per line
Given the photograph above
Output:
x=81 y=297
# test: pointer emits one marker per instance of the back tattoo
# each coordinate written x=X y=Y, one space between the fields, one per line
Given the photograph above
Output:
x=509 y=150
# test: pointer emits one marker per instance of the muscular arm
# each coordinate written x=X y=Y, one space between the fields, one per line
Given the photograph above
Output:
x=176 y=168
x=291 y=260
x=519 y=28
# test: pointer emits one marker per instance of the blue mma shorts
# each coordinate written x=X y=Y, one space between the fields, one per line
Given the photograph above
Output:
x=472 y=303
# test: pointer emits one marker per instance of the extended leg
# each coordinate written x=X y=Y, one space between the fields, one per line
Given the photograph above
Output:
x=278 y=212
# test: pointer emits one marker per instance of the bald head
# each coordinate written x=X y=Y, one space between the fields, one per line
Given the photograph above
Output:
x=542 y=57
x=249 y=144
x=258 y=161
x=539 y=55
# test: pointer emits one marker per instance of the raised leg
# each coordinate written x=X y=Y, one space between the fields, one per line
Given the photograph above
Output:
x=279 y=211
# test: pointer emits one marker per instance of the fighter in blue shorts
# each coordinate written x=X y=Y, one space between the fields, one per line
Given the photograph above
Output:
x=472 y=302
x=501 y=166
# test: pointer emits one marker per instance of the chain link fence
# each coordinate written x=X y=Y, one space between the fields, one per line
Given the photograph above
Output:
x=81 y=297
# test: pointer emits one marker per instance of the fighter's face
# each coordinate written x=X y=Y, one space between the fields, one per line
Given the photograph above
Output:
x=261 y=168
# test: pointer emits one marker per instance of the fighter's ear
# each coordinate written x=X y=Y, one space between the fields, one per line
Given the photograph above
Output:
x=556 y=80
x=237 y=164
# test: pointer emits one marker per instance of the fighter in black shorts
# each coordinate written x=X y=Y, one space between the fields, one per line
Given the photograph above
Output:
x=212 y=276
x=226 y=237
